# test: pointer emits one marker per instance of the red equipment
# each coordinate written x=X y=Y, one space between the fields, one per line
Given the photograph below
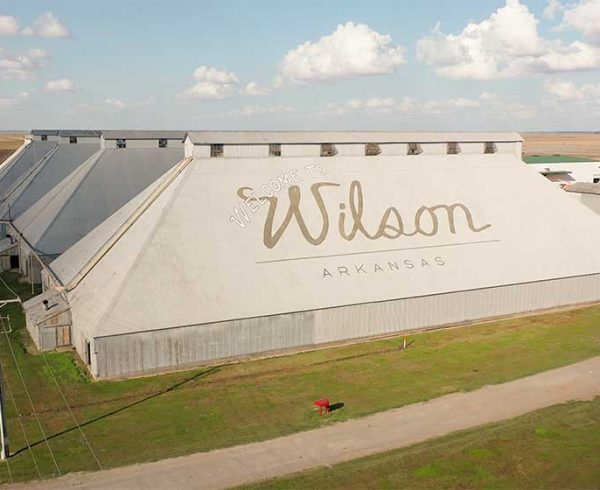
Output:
x=323 y=405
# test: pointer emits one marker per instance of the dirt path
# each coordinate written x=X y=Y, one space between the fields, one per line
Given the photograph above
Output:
x=348 y=440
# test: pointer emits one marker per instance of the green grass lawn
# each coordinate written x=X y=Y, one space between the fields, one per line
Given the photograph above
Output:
x=558 y=447
x=175 y=414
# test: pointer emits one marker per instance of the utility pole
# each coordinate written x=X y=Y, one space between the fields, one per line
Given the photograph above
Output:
x=3 y=430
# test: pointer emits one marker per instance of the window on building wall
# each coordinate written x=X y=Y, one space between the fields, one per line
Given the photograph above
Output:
x=216 y=151
x=121 y=143
x=88 y=352
x=73 y=139
x=162 y=143
x=453 y=148
x=44 y=137
x=275 y=150
x=414 y=149
x=372 y=149
x=490 y=147
x=596 y=179
x=328 y=150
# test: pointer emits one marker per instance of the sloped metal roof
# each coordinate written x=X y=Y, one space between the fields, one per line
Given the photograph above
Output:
x=97 y=192
x=582 y=188
x=44 y=132
x=318 y=137
x=90 y=133
x=23 y=164
x=63 y=161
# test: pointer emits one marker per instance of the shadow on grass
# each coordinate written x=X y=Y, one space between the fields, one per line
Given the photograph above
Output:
x=196 y=376
x=336 y=406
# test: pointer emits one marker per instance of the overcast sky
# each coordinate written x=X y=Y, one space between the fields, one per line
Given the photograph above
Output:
x=423 y=65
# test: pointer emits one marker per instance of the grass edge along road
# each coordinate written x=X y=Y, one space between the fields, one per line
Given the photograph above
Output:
x=148 y=419
x=556 y=447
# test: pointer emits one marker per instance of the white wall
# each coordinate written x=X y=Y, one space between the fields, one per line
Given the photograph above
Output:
x=357 y=150
x=201 y=151
x=394 y=149
x=137 y=143
x=245 y=151
x=39 y=138
x=300 y=150
x=80 y=140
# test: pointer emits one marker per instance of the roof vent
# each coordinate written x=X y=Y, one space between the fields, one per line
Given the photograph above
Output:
x=216 y=151
x=372 y=149
x=275 y=150
x=490 y=147
x=414 y=149
x=452 y=148
x=328 y=150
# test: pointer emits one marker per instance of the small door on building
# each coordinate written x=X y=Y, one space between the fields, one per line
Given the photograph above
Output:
x=14 y=261
x=63 y=336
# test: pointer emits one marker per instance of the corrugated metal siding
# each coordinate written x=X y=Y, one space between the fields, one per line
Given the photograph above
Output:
x=300 y=150
x=351 y=150
x=245 y=151
x=163 y=349
x=201 y=151
x=471 y=148
x=188 y=148
x=81 y=140
x=513 y=148
x=434 y=148
x=147 y=351
x=394 y=149
x=145 y=144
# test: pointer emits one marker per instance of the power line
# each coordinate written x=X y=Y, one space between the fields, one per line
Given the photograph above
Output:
x=12 y=397
x=71 y=412
x=29 y=398
x=8 y=287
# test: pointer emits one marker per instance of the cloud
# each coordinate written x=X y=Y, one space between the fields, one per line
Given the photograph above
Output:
x=585 y=18
x=115 y=103
x=552 y=8
x=505 y=45
x=351 y=50
x=10 y=102
x=61 y=85
x=372 y=104
x=211 y=83
x=565 y=90
x=254 y=110
x=9 y=26
x=487 y=96
x=254 y=89
x=22 y=66
x=407 y=105
x=47 y=25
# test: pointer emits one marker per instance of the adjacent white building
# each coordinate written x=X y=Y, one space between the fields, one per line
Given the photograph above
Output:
x=142 y=139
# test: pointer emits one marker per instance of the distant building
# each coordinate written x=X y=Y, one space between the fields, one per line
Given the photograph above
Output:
x=142 y=139
x=79 y=136
x=44 y=135
x=588 y=194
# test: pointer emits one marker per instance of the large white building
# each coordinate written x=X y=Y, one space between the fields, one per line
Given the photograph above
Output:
x=264 y=242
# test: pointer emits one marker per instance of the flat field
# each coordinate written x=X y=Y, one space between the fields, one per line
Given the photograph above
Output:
x=585 y=145
x=8 y=143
